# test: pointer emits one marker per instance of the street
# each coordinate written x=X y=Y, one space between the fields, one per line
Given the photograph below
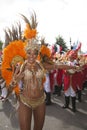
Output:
x=57 y=118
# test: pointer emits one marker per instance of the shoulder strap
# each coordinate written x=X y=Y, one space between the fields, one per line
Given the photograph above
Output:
x=41 y=65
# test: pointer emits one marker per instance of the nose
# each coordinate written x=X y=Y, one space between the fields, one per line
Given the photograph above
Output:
x=31 y=55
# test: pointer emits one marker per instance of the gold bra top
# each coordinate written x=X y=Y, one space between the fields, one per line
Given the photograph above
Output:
x=39 y=74
x=29 y=74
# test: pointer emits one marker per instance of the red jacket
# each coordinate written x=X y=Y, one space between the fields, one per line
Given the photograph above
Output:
x=59 y=77
x=51 y=76
x=69 y=79
x=79 y=80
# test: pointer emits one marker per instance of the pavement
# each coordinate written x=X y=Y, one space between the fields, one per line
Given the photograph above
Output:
x=56 y=118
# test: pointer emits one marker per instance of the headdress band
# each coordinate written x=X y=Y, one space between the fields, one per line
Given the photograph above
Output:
x=32 y=44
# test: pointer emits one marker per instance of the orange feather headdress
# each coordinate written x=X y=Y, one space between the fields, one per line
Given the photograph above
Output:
x=30 y=33
x=16 y=50
x=12 y=54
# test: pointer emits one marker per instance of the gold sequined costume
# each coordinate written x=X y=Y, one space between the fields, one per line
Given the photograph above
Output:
x=33 y=91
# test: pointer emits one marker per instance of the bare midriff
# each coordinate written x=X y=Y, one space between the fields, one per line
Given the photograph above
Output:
x=32 y=93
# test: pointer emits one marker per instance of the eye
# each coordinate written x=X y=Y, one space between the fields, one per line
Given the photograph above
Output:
x=36 y=52
x=29 y=53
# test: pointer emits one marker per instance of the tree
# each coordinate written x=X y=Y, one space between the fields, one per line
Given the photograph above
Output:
x=1 y=43
x=60 y=41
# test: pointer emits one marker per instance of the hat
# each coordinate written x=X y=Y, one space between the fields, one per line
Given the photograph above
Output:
x=73 y=54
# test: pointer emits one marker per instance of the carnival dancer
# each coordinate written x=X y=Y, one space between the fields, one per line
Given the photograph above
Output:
x=32 y=75
x=32 y=97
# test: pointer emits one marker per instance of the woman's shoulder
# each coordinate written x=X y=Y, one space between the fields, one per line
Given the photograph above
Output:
x=41 y=65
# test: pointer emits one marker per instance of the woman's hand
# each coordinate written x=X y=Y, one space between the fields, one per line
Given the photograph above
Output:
x=17 y=76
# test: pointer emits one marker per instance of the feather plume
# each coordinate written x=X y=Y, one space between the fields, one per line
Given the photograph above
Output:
x=26 y=19
x=32 y=22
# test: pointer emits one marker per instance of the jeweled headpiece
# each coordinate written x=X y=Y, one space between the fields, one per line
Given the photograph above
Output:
x=32 y=44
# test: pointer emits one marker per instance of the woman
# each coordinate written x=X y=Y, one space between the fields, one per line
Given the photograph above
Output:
x=32 y=75
x=32 y=98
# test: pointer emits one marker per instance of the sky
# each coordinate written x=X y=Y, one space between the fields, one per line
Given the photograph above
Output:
x=66 y=18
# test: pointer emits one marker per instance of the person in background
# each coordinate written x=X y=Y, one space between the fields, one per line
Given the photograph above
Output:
x=70 y=82
x=79 y=76
x=2 y=87
x=59 y=79
x=47 y=89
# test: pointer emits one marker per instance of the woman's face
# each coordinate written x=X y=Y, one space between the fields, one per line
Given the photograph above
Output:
x=32 y=55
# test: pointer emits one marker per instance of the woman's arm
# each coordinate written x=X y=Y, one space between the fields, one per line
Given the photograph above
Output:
x=56 y=66
x=65 y=67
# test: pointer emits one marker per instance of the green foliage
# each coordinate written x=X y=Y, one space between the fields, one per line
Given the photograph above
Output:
x=1 y=43
x=60 y=41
